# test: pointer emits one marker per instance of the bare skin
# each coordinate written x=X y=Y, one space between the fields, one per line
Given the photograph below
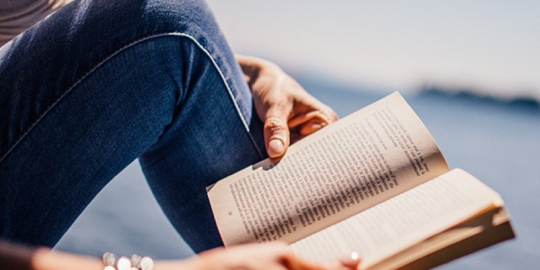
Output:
x=271 y=256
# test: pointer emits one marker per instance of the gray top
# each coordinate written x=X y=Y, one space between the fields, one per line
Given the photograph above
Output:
x=18 y=15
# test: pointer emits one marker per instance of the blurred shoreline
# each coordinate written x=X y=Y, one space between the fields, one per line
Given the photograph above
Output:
x=489 y=48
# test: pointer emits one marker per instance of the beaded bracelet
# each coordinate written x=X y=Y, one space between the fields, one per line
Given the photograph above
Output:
x=112 y=262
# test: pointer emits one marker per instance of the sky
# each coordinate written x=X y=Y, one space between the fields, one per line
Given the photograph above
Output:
x=489 y=47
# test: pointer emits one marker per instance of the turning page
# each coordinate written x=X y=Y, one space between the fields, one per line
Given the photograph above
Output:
x=341 y=170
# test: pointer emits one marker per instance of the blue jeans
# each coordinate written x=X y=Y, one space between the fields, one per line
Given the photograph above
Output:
x=101 y=83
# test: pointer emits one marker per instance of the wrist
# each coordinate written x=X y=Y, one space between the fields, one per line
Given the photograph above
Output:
x=256 y=68
x=260 y=73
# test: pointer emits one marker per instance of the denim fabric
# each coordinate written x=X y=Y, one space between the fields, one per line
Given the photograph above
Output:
x=101 y=83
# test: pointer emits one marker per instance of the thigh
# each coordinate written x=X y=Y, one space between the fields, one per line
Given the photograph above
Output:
x=100 y=83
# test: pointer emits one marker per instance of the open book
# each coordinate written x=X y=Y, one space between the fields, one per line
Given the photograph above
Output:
x=376 y=183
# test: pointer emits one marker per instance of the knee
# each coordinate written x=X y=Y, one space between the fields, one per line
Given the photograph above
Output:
x=160 y=16
x=172 y=11
x=103 y=26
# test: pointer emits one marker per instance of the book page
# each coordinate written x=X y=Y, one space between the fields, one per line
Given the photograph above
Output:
x=402 y=221
x=486 y=229
x=343 y=169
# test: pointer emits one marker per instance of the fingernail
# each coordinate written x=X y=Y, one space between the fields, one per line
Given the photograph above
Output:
x=275 y=148
x=316 y=126
x=352 y=261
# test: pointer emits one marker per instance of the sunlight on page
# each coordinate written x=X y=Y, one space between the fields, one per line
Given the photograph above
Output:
x=402 y=221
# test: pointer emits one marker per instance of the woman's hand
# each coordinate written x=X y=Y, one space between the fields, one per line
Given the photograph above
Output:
x=269 y=256
x=289 y=113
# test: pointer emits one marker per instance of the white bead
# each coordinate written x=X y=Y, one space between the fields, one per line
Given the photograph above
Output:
x=136 y=261
x=147 y=263
x=109 y=259
x=123 y=264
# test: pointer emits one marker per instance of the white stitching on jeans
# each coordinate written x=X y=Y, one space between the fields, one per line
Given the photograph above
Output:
x=231 y=95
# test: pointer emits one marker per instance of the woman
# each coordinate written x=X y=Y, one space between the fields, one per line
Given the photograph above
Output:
x=100 y=83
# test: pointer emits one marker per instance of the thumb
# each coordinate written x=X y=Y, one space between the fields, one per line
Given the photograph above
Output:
x=276 y=132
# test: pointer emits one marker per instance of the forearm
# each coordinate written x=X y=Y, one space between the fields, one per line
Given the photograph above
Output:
x=44 y=259
x=15 y=257
x=257 y=69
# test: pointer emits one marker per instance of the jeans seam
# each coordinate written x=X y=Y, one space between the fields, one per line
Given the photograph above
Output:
x=231 y=95
x=145 y=38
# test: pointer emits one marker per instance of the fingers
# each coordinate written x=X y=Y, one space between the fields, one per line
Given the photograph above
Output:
x=317 y=116
x=276 y=135
x=314 y=119
x=292 y=262
x=309 y=116
x=278 y=98
x=268 y=256
x=276 y=131
x=351 y=262
x=310 y=122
